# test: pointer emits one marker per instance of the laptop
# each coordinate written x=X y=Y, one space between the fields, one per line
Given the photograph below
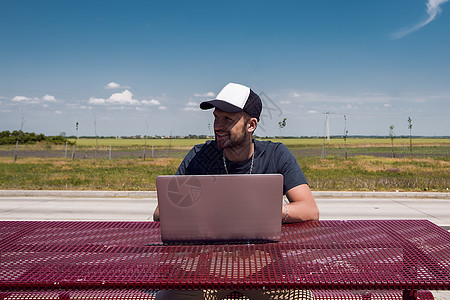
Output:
x=234 y=208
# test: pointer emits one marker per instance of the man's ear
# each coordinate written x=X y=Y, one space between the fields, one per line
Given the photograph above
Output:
x=252 y=124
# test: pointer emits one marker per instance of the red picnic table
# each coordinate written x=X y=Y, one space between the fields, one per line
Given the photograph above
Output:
x=127 y=260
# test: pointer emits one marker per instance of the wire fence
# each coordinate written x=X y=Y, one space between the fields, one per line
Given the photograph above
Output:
x=434 y=150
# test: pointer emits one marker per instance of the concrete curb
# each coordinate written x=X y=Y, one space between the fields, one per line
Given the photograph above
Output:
x=407 y=195
x=77 y=194
x=152 y=194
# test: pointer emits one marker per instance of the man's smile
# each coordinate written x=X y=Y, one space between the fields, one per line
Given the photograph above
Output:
x=221 y=135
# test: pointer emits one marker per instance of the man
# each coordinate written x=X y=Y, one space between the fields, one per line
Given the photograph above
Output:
x=234 y=151
x=237 y=110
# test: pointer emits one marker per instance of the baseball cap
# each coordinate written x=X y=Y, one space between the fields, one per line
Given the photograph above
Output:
x=236 y=98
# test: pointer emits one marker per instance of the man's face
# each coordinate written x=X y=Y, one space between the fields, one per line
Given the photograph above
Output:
x=230 y=129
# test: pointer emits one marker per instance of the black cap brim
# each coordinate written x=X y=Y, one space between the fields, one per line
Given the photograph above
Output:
x=220 y=104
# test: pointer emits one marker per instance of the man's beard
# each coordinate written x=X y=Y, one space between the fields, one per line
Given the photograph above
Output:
x=233 y=140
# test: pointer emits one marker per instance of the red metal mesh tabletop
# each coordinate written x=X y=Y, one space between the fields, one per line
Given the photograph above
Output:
x=400 y=254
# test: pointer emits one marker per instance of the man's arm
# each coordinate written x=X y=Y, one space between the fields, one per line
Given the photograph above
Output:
x=302 y=206
x=180 y=171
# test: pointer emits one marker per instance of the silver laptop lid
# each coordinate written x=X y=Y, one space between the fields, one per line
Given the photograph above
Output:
x=220 y=208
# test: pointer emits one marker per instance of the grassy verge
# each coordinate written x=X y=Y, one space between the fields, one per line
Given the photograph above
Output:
x=367 y=173
x=363 y=173
x=60 y=174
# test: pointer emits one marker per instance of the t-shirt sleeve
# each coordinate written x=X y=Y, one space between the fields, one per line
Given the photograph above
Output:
x=289 y=167
x=202 y=159
x=185 y=163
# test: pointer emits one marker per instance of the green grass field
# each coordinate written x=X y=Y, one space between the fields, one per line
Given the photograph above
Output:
x=427 y=170
x=177 y=143
x=289 y=142
x=160 y=143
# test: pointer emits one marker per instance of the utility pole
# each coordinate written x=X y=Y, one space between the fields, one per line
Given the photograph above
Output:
x=73 y=148
x=327 y=124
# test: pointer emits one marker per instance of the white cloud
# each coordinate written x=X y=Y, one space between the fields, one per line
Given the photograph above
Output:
x=208 y=94
x=122 y=98
x=34 y=100
x=162 y=107
x=191 y=104
x=387 y=105
x=306 y=96
x=189 y=108
x=151 y=102
x=29 y=100
x=96 y=101
x=316 y=98
x=49 y=98
x=312 y=112
x=433 y=9
x=125 y=97
x=21 y=99
x=112 y=86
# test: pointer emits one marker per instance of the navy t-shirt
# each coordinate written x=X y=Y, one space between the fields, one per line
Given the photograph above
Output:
x=270 y=158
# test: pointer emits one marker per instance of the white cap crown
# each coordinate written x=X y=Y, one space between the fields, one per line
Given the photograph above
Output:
x=235 y=94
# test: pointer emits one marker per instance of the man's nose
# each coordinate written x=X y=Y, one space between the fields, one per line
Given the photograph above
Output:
x=219 y=125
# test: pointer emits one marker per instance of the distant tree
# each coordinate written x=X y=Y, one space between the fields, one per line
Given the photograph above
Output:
x=282 y=124
x=10 y=138
x=392 y=136
x=410 y=134
x=6 y=138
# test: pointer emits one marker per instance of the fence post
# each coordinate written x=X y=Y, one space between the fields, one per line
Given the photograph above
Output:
x=65 y=151
x=73 y=151
x=109 y=151
x=144 y=152
x=15 y=150
x=404 y=150
x=324 y=150
x=365 y=148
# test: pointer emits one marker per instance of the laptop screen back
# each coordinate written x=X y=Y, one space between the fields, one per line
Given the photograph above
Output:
x=220 y=208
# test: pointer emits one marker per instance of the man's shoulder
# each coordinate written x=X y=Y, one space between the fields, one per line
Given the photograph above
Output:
x=206 y=144
x=208 y=148
x=268 y=145
x=202 y=159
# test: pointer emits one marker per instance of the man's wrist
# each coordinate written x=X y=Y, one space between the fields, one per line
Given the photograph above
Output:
x=286 y=216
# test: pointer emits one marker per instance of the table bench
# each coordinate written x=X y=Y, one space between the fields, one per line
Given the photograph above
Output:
x=359 y=259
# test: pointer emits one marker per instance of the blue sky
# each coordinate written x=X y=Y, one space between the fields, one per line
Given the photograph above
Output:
x=117 y=66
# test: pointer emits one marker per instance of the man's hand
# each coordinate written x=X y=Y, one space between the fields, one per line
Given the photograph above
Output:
x=156 y=214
